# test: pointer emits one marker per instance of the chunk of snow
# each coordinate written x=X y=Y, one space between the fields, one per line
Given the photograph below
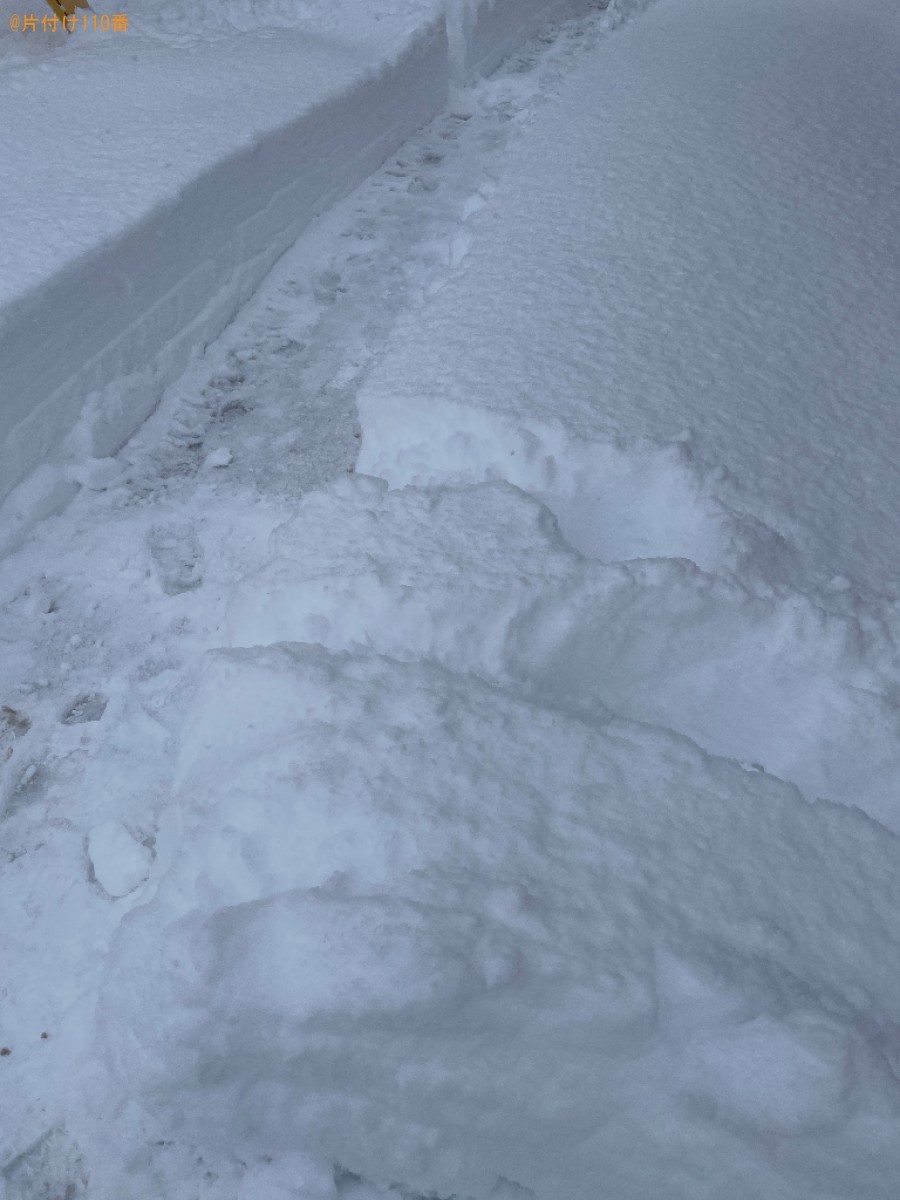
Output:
x=120 y=863
x=219 y=458
x=97 y=474
x=289 y=1177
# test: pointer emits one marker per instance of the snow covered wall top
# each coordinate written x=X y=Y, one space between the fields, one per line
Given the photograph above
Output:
x=132 y=231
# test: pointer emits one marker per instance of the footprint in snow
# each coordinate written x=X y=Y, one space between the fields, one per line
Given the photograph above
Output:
x=13 y=724
x=87 y=707
x=177 y=558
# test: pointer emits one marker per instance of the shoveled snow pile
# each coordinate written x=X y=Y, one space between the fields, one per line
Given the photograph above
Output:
x=479 y=578
x=432 y=911
x=442 y=935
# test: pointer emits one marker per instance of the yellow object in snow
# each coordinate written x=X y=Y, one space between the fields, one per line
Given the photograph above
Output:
x=66 y=8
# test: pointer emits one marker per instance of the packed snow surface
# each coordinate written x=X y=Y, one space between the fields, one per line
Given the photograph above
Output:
x=453 y=750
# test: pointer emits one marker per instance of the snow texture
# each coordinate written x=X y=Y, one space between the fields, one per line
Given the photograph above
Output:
x=389 y=900
x=452 y=750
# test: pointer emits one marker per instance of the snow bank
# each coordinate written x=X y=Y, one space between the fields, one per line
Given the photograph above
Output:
x=171 y=203
x=480 y=579
x=425 y=907
x=442 y=935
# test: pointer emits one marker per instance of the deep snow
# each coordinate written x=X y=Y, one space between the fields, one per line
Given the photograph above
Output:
x=518 y=822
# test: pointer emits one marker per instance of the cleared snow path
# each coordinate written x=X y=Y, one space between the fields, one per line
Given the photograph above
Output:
x=386 y=828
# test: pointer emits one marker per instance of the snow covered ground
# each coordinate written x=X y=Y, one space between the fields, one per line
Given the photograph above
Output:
x=453 y=748
x=154 y=173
